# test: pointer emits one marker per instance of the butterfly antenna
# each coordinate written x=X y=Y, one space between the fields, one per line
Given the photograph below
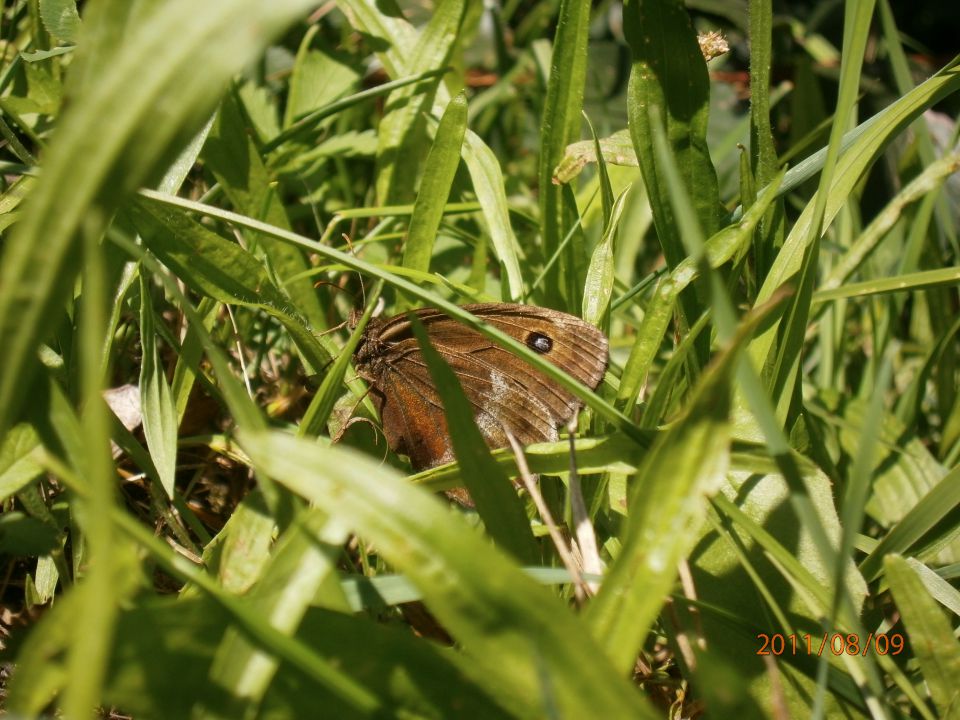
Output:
x=363 y=289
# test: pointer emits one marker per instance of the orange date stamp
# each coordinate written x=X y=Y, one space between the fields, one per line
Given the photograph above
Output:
x=833 y=643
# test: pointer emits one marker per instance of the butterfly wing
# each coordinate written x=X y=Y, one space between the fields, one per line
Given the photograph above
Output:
x=505 y=392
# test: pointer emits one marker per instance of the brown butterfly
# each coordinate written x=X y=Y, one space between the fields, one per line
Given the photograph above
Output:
x=506 y=393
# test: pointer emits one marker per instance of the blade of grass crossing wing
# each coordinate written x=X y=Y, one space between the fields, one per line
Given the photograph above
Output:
x=413 y=289
x=490 y=488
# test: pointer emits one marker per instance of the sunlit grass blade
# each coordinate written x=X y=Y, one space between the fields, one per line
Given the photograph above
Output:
x=487 y=178
x=159 y=412
x=916 y=524
x=400 y=130
x=560 y=126
x=667 y=507
x=438 y=172
x=859 y=152
x=538 y=657
x=299 y=566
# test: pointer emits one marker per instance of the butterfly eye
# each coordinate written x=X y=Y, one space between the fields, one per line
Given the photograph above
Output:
x=538 y=342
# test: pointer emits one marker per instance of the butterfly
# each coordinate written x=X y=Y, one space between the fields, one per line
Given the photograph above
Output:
x=505 y=392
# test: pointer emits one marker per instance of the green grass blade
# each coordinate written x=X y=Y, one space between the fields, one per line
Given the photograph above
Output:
x=931 y=635
x=560 y=126
x=159 y=413
x=539 y=655
x=232 y=156
x=668 y=505
x=598 y=286
x=923 y=517
x=222 y=270
x=298 y=568
x=490 y=489
x=669 y=74
x=400 y=131
x=863 y=148
x=99 y=595
x=487 y=178
x=438 y=172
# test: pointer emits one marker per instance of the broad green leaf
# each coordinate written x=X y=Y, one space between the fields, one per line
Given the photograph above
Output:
x=289 y=584
x=320 y=77
x=239 y=553
x=931 y=635
x=921 y=519
x=60 y=18
x=18 y=467
x=522 y=646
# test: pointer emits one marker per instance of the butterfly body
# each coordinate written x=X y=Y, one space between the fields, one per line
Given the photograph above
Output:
x=506 y=393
